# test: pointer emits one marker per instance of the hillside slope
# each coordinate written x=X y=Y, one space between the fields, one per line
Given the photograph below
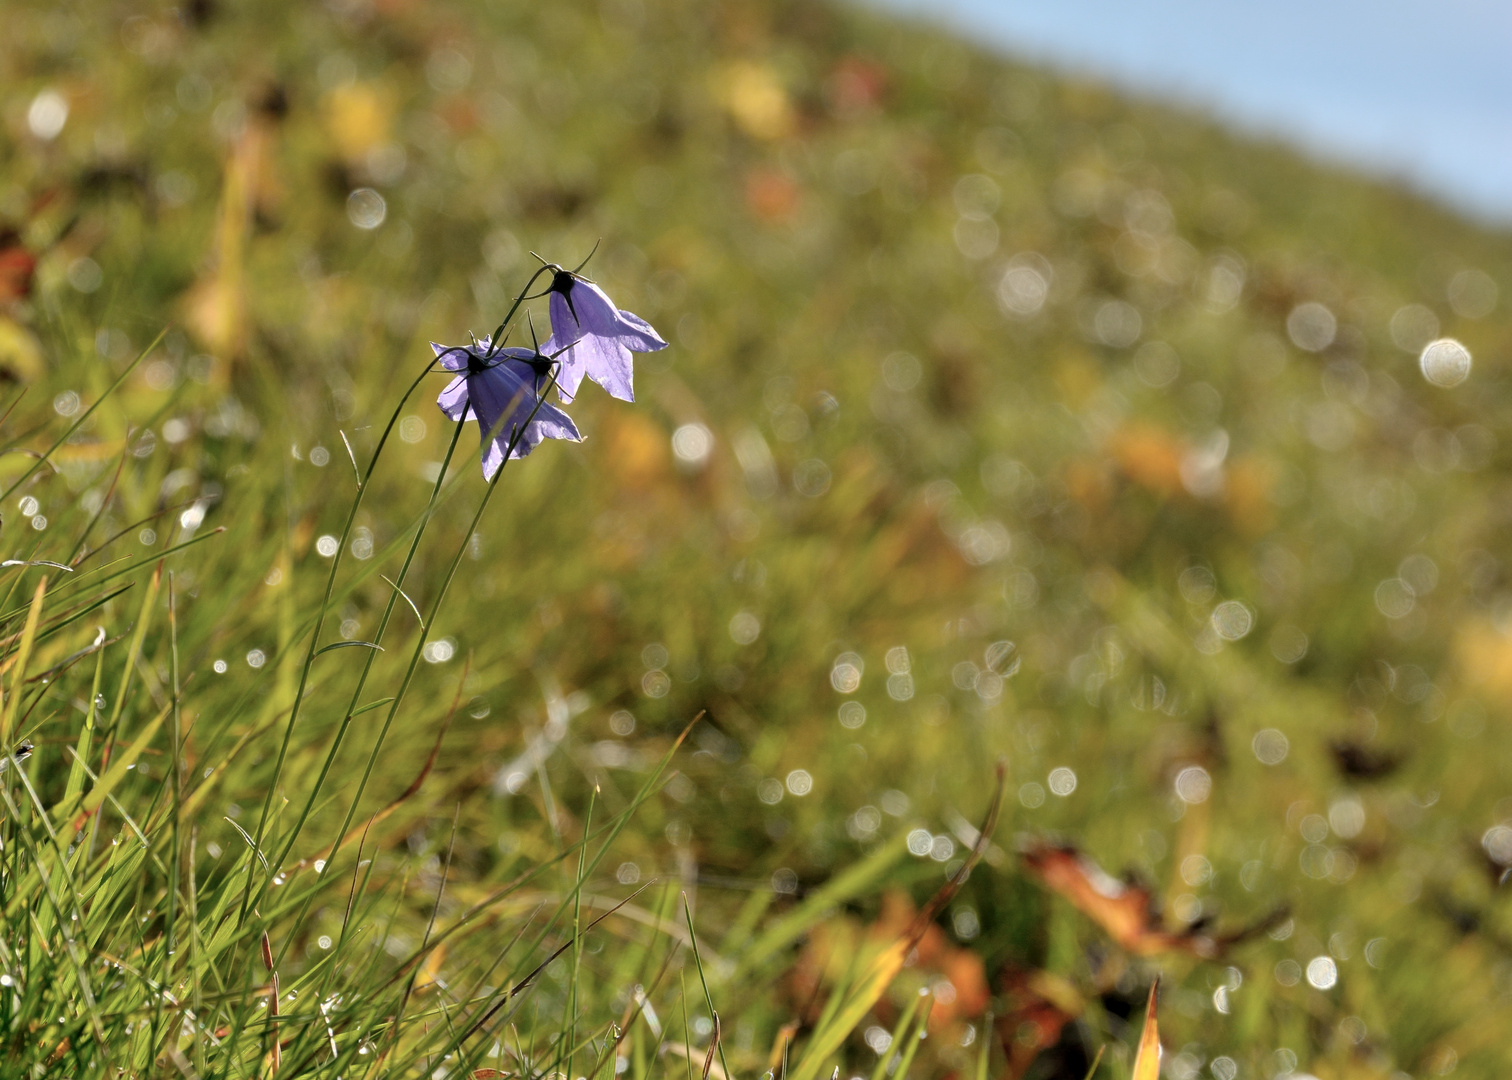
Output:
x=1097 y=435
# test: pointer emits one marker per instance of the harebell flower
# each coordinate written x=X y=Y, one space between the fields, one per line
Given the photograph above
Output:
x=602 y=336
x=503 y=384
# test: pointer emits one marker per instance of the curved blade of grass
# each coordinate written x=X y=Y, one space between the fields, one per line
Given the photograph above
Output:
x=348 y=645
x=84 y=416
x=849 y=883
x=23 y=654
x=112 y=776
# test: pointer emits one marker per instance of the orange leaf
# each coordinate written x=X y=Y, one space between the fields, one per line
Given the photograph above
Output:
x=771 y=195
x=1126 y=912
x=1149 y=456
x=1040 y=1005
x=17 y=266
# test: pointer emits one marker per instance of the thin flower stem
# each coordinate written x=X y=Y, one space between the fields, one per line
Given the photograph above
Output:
x=304 y=673
x=430 y=622
x=309 y=660
x=577 y=933
x=372 y=658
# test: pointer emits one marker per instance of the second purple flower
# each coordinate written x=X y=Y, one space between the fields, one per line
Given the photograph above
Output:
x=503 y=384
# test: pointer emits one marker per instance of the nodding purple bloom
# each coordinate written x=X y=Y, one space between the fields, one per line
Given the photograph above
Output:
x=605 y=337
x=507 y=383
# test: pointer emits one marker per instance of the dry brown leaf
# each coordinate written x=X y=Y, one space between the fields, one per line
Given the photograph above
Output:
x=1125 y=911
x=1040 y=1005
x=17 y=265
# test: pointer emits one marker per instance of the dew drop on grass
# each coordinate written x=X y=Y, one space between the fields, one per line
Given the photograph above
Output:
x=1288 y=644
x=845 y=675
x=864 y=823
x=692 y=444
x=1445 y=363
x=745 y=628
x=1270 y=746
x=1232 y=620
x=853 y=714
x=655 y=655
x=47 y=115
x=1194 y=784
x=1322 y=972
x=1312 y=327
x=966 y=923
x=366 y=208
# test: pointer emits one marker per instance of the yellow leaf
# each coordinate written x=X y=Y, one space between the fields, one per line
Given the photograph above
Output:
x=430 y=971
x=20 y=355
x=756 y=100
x=358 y=117
x=1485 y=657
x=90 y=451
x=23 y=654
x=1147 y=1061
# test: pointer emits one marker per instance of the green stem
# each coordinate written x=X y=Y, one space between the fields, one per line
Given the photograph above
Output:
x=430 y=621
x=310 y=652
x=309 y=660
x=372 y=658
x=577 y=934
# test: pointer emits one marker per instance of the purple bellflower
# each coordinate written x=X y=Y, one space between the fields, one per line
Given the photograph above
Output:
x=603 y=337
x=505 y=383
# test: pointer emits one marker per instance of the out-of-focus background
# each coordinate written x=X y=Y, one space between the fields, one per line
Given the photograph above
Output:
x=1007 y=414
x=1407 y=88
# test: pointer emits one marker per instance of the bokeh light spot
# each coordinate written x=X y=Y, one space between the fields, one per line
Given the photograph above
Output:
x=366 y=209
x=1311 y=327
x=1322 y=972
x=1445 y=362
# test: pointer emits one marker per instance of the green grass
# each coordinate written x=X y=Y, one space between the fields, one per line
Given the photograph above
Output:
x=423 y=848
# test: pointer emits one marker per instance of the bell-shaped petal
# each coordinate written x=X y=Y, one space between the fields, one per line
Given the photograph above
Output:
x=502 y=392
x=598 y=338
x=455 y=357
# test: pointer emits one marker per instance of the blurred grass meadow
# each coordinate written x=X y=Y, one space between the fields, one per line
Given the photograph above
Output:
x=1004 y=419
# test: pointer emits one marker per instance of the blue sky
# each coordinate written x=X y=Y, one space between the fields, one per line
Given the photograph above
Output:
x=1411 y=88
